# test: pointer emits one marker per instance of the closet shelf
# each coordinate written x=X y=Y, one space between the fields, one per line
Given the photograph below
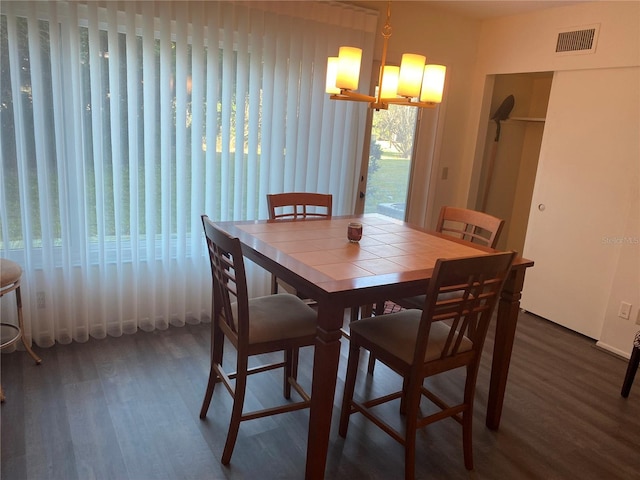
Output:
x=527 y=119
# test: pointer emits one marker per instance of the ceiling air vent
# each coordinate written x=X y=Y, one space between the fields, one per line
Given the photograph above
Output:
x=578 y=41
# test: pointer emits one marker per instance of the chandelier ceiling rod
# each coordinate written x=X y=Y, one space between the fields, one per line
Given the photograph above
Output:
x=386 y=34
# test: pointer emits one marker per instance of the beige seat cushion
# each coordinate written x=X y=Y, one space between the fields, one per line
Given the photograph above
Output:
x=397 y=333
x=415 y=302
x=10 y=272
x=277 y=317
x=419 y=300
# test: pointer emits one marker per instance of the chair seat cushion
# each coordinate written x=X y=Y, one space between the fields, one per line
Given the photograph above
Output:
x=10 y=272
x=419 y=300
x=636 y=340
x=397 y=333
x=414 y=302
x=278 y=317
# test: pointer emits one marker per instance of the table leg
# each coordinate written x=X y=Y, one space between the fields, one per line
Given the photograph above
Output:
x=506 y=321
x=325 y=372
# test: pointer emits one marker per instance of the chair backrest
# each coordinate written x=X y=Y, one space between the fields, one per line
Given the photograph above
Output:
x=229 y=281
x=470 y=225
x=463 y=292
x=299 y=205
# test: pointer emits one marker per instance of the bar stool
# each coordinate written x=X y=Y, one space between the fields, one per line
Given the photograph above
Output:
x=10 y=274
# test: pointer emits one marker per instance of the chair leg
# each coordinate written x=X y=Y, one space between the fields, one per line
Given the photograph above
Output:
x=632 y=368
x=290 y=369
x=355 y=314
x=410 y=458
x=349 y=387
x=467 y=415
x=209 y=392
x=378 y=310
x=217 y=351
x=411 y=399
x=371 y=365
x=403 y=399
x=467 y=437
x=236 y=412
x=27 y=347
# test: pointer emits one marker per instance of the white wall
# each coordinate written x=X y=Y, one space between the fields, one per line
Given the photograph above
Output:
x=617 y=334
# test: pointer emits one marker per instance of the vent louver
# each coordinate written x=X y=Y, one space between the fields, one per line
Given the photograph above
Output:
x=581 y=40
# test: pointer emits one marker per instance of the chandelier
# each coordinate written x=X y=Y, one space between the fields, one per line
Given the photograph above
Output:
x=412 y=84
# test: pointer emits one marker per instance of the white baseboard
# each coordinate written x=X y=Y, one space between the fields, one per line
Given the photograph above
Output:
x=610 y=349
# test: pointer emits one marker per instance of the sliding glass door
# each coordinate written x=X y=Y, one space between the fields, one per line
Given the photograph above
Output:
x=389 y=164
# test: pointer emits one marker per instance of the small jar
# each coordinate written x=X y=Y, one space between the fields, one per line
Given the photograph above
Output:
x=354 y=232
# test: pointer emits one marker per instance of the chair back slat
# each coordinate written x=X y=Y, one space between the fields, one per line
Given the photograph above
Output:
x=299 y=205
x=470 y=225
x=463 y=292
x=229 y=279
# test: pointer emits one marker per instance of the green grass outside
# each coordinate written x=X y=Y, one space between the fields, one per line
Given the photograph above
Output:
x=389 y=183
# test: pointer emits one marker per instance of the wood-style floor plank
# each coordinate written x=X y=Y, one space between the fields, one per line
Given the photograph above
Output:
x=127 y=408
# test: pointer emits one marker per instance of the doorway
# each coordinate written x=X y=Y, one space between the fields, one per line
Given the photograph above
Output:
x=505 y=188
x=385 y=174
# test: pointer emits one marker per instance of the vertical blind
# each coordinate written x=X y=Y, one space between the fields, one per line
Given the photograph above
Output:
x=121 y=127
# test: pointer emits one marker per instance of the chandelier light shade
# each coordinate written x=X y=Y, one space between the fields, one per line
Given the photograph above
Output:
x=348 y=73
x=390 y=79
x=332 y=73
x=433 y=83
x=411 y=72
x=412 y=83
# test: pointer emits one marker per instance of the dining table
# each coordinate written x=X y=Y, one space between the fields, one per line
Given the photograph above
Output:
x=393 y=259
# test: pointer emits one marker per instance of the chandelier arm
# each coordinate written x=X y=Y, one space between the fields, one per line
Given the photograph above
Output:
x=409 y=103
x=354 y=96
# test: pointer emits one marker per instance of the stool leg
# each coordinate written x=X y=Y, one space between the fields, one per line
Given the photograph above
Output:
x=631 y=372
x=33 y=355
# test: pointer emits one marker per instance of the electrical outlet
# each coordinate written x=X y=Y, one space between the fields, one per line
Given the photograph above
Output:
x=40 y=299
x=625 y=310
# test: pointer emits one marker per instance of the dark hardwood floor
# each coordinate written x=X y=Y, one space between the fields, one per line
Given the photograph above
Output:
x=127 y=408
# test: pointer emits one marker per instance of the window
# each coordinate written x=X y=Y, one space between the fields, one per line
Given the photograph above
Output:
x=120 y=128
x=390 y=155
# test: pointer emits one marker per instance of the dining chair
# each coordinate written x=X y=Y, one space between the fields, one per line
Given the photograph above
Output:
x=297 y=206
x=10 y=277
x=469 y=225
x=272 y=323
x=448 y=333
x=632 y=367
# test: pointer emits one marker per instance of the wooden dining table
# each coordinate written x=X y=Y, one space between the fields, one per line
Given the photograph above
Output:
x=392 y=260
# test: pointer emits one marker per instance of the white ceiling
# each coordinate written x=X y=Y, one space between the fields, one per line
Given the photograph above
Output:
x=497 y=8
